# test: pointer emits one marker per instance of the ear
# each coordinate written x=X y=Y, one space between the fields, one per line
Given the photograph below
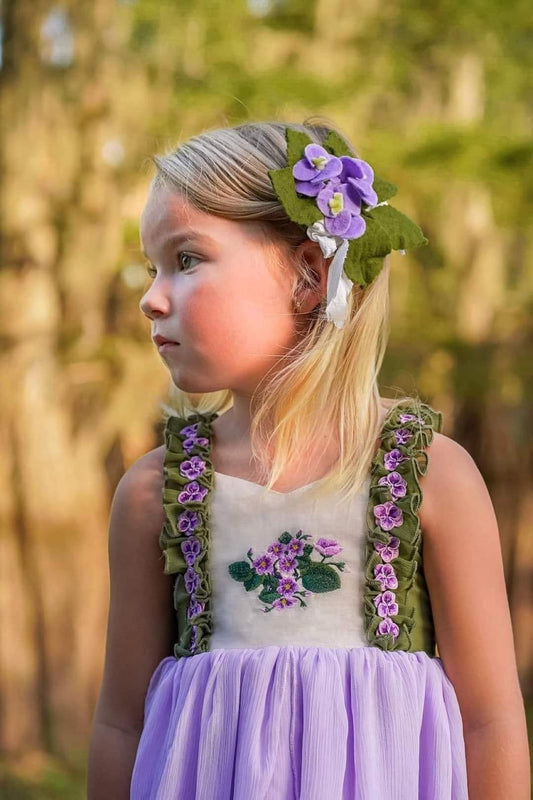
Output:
x=311 y=296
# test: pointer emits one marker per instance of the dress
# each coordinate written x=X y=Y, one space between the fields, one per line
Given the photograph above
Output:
x=306 y=666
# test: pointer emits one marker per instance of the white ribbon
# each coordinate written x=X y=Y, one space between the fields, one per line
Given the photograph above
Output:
x=339 y=284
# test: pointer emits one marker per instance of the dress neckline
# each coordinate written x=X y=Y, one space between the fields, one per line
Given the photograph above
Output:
x=225 y=476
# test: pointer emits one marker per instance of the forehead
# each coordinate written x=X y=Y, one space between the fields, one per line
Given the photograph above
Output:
x=165 y=213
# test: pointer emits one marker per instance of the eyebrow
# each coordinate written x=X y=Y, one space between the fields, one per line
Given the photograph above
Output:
x=190 y=236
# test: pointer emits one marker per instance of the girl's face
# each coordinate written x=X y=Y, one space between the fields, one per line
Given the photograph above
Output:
x=215 y=292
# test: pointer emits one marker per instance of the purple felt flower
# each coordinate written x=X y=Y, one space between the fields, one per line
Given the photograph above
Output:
x=263 y=564
x=193 y=467
x=402 y=435
x=192 y=492
x=191 y=549
x=388 y=515
x=386 y=604
x=195 y=608
x=327 y=547
x=342 y=214
x=194 y=637
x=393 y=458
x=396 y=483
x=316 y=167
x=192 y=579
x=411 y=418
x=194 y=441
x=285 y=601
x=388 y=626
x=287 y=563
x=390 y=550
x=384 y=573
x=358 y=175
x=287 y=586
x=295 y=547
x=190 y=430
x=188 y=521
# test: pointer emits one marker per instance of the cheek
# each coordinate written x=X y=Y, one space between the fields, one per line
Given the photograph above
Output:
x=250 y=320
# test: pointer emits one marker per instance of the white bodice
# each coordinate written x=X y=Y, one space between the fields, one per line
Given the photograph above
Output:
x=243 y=517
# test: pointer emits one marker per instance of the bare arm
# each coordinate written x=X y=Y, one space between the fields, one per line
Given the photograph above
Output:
x=141 y=627
x=465 y=577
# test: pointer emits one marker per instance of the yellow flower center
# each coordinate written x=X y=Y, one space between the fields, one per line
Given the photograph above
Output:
x=320 y=162
x=336 y=203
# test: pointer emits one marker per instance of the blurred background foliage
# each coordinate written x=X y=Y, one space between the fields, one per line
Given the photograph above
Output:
x=439 y=97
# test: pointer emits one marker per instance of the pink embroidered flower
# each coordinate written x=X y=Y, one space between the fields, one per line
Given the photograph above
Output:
x=263 y=564
x=327 y=547
x=277 y=549
x=385 y=574
x=388 y=515
x=188 y=521
x=396 y=483
x=192 y=492
x=386 y=604
x=287 y=586
x=295 y=547
x=390 y=550
x=285 y=601
x=287 y=563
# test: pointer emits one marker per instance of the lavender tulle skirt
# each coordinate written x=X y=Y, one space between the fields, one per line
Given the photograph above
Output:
x=301 y=723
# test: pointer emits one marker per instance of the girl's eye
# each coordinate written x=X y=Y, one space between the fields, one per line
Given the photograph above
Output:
x=184 y=259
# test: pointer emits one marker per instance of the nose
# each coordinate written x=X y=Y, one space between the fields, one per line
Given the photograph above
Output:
x=154 y=302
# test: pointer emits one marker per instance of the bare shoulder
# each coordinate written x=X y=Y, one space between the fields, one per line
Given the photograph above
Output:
x=141 y=624
x=463 y=568
x=145 y=475
x=452 y=474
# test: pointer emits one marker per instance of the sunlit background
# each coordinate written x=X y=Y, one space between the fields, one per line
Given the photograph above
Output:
x=438 y=97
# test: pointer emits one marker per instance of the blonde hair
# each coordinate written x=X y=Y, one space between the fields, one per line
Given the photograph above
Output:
x=329 y=382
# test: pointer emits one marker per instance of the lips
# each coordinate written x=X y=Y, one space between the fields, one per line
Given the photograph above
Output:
x=159 y=340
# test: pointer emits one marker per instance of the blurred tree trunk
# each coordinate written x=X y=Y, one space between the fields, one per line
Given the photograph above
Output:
x=61 y=230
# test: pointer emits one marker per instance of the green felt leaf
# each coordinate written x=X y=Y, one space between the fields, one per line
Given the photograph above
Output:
x=402 y=231
x=383 y=189
x=300 y=209
x=374 y=244
x=297 y=141
x=335 y=144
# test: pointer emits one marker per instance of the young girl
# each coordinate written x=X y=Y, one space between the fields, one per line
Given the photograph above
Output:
x=307 y=591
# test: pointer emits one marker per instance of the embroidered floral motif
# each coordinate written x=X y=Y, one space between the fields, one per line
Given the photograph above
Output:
x=395 y=497
x=286 y=572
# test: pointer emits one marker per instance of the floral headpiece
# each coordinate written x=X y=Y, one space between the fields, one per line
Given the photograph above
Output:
x=344 y=207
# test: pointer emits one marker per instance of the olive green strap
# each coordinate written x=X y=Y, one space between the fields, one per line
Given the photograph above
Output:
x=397 y=608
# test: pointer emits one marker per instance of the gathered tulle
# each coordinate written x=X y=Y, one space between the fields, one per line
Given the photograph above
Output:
x=301 y=723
